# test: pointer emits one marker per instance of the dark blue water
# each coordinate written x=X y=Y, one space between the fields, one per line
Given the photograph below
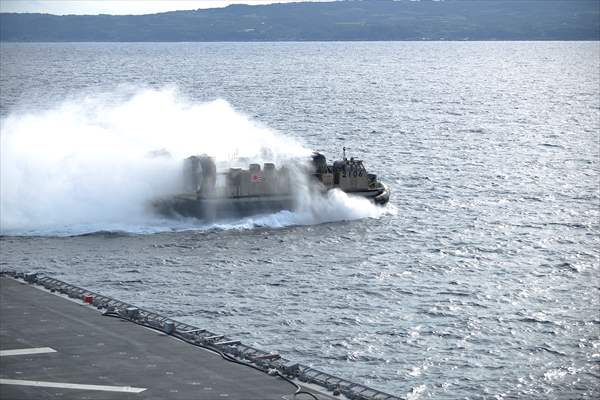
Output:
x=482 y=278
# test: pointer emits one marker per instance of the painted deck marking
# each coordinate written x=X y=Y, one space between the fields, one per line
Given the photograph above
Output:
x=124 y=389
x=22 y=352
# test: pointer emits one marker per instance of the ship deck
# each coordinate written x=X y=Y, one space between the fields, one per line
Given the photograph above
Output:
x=53 y=347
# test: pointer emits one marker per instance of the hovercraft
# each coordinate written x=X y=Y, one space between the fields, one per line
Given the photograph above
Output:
x=240 y=192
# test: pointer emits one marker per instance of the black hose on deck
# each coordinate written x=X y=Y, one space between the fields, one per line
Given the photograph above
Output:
x=226 y=357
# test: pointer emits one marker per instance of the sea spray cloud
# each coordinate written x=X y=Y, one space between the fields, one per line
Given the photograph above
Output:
x=96 y=163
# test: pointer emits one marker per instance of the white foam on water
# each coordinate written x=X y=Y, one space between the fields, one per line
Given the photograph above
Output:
x=95 y=164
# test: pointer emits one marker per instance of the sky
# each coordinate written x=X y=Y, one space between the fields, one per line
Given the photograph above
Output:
x=62 y=7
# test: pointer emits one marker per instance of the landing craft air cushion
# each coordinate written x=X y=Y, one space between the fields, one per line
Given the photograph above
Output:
x=245 y=192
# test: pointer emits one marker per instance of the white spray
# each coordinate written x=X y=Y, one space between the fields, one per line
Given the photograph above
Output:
x=95 y=164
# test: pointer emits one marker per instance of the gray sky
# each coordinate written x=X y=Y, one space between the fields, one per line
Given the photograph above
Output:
x=62 y=7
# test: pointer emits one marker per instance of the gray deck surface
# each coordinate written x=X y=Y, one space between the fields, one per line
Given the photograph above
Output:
x=93 y=349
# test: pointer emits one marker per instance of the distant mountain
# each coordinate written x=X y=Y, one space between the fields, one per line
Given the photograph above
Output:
x=340 y=20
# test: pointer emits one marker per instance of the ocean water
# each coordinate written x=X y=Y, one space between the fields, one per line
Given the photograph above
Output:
x=480 y=279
